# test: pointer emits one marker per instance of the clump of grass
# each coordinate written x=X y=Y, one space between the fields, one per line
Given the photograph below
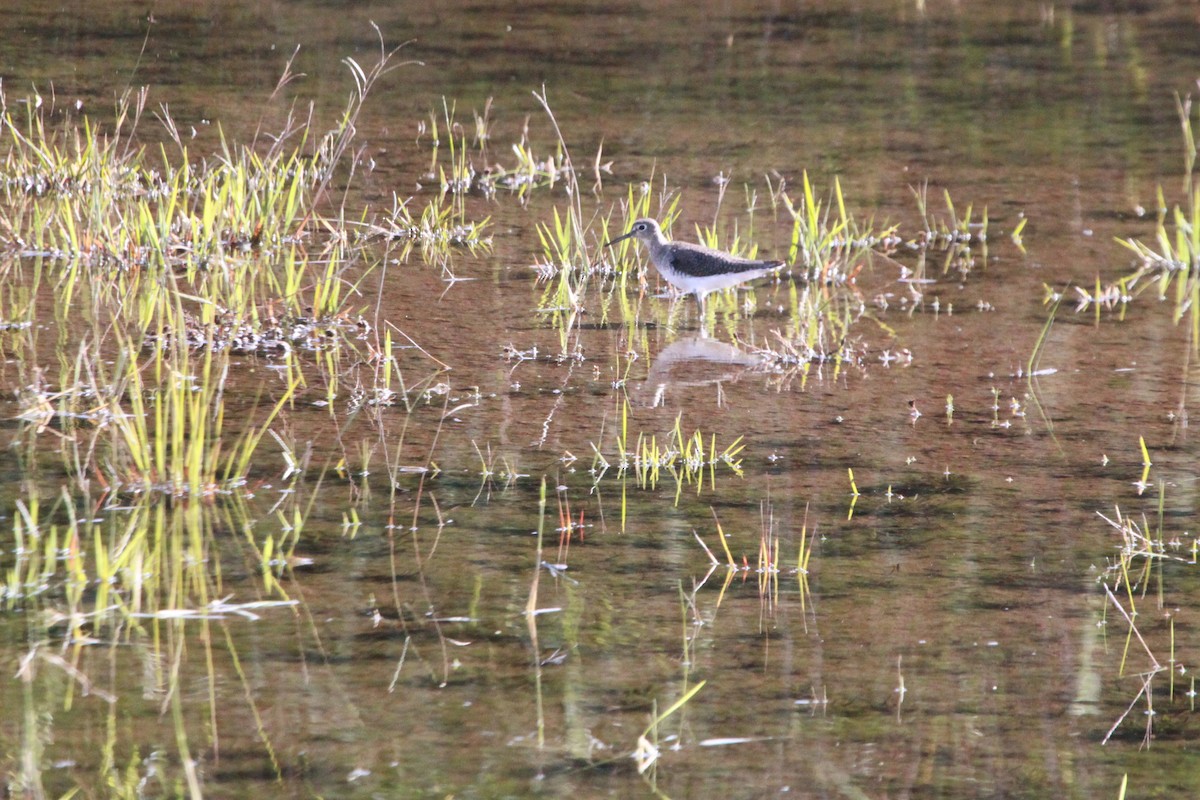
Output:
x=531 y=171
x=951 y=229
x=1099 y=297
x=460 y=172
x=438 y=228
x=171 y=439
x=565 y=246
x=828 y=248
x=1172 y=264
x=955 y=237
x=155 y=426
x=817 y=340
x=458 y=177
x=687 y=459
x=565 y=270
x=768 y=565
x=827 y=242
x=1130 y=581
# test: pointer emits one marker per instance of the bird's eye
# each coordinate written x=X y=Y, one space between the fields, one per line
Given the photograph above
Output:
x=641 y=226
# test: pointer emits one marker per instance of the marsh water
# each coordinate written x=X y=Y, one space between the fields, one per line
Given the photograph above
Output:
x=951 y=485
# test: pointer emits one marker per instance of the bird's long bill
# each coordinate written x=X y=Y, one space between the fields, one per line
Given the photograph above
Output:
x=620 y=238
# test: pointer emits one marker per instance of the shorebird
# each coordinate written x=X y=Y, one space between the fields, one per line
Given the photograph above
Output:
x=692 y=267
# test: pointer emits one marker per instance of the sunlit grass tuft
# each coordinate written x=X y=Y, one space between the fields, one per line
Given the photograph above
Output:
x=685 y=459
x=1172 y=263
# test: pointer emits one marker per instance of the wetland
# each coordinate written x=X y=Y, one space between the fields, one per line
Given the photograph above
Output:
x=342 y=459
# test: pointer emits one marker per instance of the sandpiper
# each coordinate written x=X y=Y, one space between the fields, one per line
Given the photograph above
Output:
x=692 y=267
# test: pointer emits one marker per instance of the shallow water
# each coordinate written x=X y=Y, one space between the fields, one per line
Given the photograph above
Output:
x=953 y=638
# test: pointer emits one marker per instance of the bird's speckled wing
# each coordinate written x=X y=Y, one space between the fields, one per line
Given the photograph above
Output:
x=695 y=261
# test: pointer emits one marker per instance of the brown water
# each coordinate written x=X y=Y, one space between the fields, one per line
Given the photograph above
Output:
x=956 y=641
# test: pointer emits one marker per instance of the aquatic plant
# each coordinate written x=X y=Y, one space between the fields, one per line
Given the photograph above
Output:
x=1172 y=263
x=1145 y=553
x=686 y=459
x=461 y=173
x=952 y=229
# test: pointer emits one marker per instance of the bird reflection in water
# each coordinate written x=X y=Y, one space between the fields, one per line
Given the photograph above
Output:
x=694 y=361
